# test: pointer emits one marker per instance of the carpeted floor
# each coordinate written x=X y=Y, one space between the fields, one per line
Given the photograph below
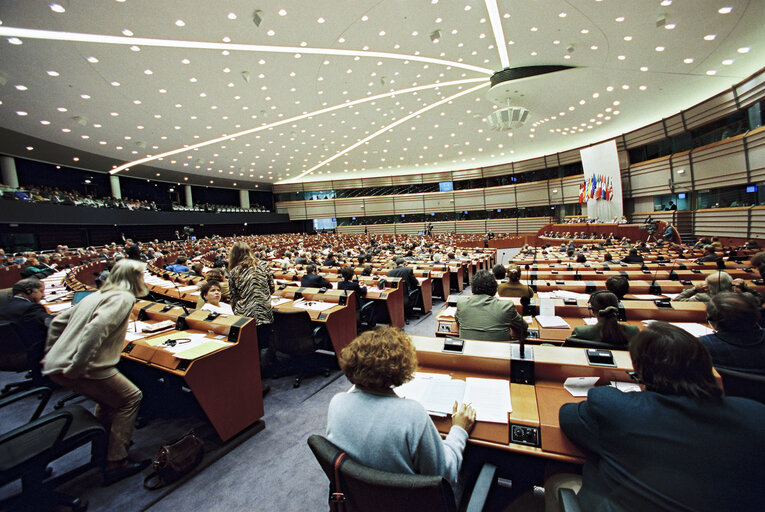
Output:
x=268 y=469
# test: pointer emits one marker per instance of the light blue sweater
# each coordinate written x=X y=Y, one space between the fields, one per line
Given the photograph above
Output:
x=393 y=434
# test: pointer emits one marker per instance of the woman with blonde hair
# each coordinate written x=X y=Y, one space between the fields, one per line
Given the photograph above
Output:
x=82 y=351
x=377 y=428
x=250 y=285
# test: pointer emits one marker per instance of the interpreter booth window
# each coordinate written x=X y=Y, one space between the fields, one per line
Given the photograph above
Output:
x=730 y=197
x=668 y=202
x=324 y=224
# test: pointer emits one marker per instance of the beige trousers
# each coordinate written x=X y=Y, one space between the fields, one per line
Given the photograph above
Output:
x=117 y=401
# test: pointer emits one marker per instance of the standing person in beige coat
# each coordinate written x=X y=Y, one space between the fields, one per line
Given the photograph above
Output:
x=82 y=350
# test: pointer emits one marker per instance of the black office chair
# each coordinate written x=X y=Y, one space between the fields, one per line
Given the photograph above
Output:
x=26 y=451
x=296 y=336
x=366 y=316
x=582 y=343
x=6 y=294
x=743 y=384
x=16 y=356
x=361 y=488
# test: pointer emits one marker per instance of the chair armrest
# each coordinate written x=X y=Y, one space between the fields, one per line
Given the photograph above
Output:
x=481 y=488
x=45 y=392
x=568 y=500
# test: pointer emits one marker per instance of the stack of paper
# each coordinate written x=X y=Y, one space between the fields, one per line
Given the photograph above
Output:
x=450 y=311
x=694 y=328
x=579 y=386
x=552 y=322
x=590 y=321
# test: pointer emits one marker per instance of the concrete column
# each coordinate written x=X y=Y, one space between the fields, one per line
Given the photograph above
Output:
x=8 y=167
x=187 y=194
x=244 y=199
x=114 y=181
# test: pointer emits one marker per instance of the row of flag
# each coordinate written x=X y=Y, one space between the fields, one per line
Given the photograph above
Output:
x=596 y=187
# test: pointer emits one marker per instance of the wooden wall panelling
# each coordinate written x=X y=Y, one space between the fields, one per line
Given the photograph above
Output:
x=757 y=222
x=381 y=229
x=509 y=225
x=379 y=205
x=755 y=142
x=471 y=199
x=315 y=186
x=438 y=202
x=720 y=164
x=571 y=188
x=500 y=197
x=408 y=203
x=295 y=209
x=722 y=222
x=410 y=228
x=683 y=181
x=406 y=179
x=444 y=226
x=532 y=194
x=349 y=207
x=471 y=226
x=467 y=174
x=644 y=135
x=350 y=229
x=556 y=192
x=674 y=125
x=380 y=181
x=532 y=224
x=498 y=170
x=288 y=187
x=320 y=209
x=751 y=90
x=569 y=157
x=650 y=178
x=708 y=110
x=346 y=184
x=533 y=164
x=437 y=177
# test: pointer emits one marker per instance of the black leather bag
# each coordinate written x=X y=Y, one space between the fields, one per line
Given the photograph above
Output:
x=175 y=460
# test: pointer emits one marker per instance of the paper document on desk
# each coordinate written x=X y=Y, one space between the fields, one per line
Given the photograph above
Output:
x=440 y=396
x=579 y=386
x=694 y=328
x=671 y=296
x=278 y=301
x=313 y=305
x=203 y=349
x=590 y=321
x=547 y=307
x=187 y=288
x=626 y=387
x=546 y=295
x=565 y=294
x=424 y=388
x=489 y=397
x=450 y=311
x=53 y=308
x=645 y=296
x=552 y=322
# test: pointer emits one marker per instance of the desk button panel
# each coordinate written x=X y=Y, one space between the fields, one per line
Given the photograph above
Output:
x=521 y=434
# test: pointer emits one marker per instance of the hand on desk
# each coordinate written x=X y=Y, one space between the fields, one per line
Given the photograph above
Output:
x=463 y=417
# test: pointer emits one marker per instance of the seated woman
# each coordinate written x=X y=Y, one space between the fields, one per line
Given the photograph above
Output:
x=377 y=428
x=605 y=306
x=211 y=293
x=513 y=287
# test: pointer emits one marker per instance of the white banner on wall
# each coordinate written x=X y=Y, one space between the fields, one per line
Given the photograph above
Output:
x=603 y=181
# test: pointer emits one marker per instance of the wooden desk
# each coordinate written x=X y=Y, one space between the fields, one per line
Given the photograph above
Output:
x=533 y=427
x=225 y=383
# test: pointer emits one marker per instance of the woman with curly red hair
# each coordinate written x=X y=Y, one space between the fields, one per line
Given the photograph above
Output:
x=377 y=428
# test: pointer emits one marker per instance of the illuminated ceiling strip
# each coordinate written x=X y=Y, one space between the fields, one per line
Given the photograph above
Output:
x=499 y=35
x=290 y=120
x=29 y=33
x=385 y=129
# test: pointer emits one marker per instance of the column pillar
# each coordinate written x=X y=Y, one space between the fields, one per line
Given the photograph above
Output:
x=8 y=167
x=187 y=195
x=244 y=199
x=114 y=181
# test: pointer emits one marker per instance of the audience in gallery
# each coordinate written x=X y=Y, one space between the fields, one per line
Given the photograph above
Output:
x=738 y=342
x=482 y=316
x=381 y=430
x=661 y=449
x=82 y=351
x=605 y=307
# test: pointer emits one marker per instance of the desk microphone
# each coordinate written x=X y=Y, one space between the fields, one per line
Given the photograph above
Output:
x=654 y=288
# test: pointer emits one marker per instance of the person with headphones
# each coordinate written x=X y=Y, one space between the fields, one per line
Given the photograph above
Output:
x=27 y=314
x=605 y=306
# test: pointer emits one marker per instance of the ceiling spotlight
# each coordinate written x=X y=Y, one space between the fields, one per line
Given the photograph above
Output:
x=435 y=36
x=256 y=18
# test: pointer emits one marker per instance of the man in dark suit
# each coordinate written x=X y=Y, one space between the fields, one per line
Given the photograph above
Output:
x=313 y=280
x=678 y=445
x=739 y=342
x=408 y=281
x=25 y=311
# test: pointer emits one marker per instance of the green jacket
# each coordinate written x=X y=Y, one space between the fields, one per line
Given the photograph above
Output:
x=481 y=317
x=593 y=332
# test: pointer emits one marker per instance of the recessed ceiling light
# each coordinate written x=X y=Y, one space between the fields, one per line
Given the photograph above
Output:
x=127 y=32
x=320 y=20
x=231 y=16
x=270 y=32
x=116 y=84
x=621 y=57
x=666 y=3
x=148 y=72
x=57 y=8
x=85 y=96
x=744 y=49
x=562 y=14
x=365 y=18
x=659 y=48
x=30 y=148
x=15 y=40
x=585 y=31
x=721 y=10
x=619 y=19
x=180 y=23
x=594 y=47
x=65 y=130
x=52 y=73
x=727 y=62
x=670 y=26
x=114 y=114
x=282 y=12
x=534 y=29
x=21 y=113
x=628 y=38
x=135 y=48
x=185 y=61
x=710 y=37
x=21 y=87
x=46 y=123
x=688 y=60
x=712 y=72
x=61 y=109
x=92 y=60
x=643 y=87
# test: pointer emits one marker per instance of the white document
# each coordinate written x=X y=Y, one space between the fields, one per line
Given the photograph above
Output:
x=131 y=336
x=196 y=339
x=546 y=295
x=489 y=397
x=187 y=288
x=313 y=305
x=54 y=308
x=590 y=321
x=440 y=395
x=137 y=326
x=647 y=297
x=579 y=386
x=552 y=322
x=694 y=328
x=450 y=311
x=546 y=307
x=528 y=319
x=278 y=301
x=671 y=296
x=565 y=294
x=626 y=387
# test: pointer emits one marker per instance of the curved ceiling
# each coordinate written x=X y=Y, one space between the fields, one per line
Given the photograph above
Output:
x=333 y=89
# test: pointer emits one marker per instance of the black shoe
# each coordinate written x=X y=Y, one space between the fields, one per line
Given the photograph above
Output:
x=130 y=468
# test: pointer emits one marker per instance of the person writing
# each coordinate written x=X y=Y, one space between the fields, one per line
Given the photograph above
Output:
x=211 y=293
x=377 y=428
x=82 y=351
x=605 y=307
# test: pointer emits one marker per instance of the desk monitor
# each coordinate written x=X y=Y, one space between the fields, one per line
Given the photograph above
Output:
x=78 y=296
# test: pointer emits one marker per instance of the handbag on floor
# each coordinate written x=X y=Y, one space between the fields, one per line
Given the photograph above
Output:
x=175 y=460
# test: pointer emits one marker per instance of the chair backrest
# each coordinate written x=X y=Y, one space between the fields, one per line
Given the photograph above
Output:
x=293 y=332
x=743 y=384
x=371 y=490
x=583 y=343
x=13 y=351
x=6 y=294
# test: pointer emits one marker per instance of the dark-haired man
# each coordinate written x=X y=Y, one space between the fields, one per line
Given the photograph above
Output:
x=27 y=314
x=678 y=445
x=739 y=342
x=312 y=280
x=482 y=316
